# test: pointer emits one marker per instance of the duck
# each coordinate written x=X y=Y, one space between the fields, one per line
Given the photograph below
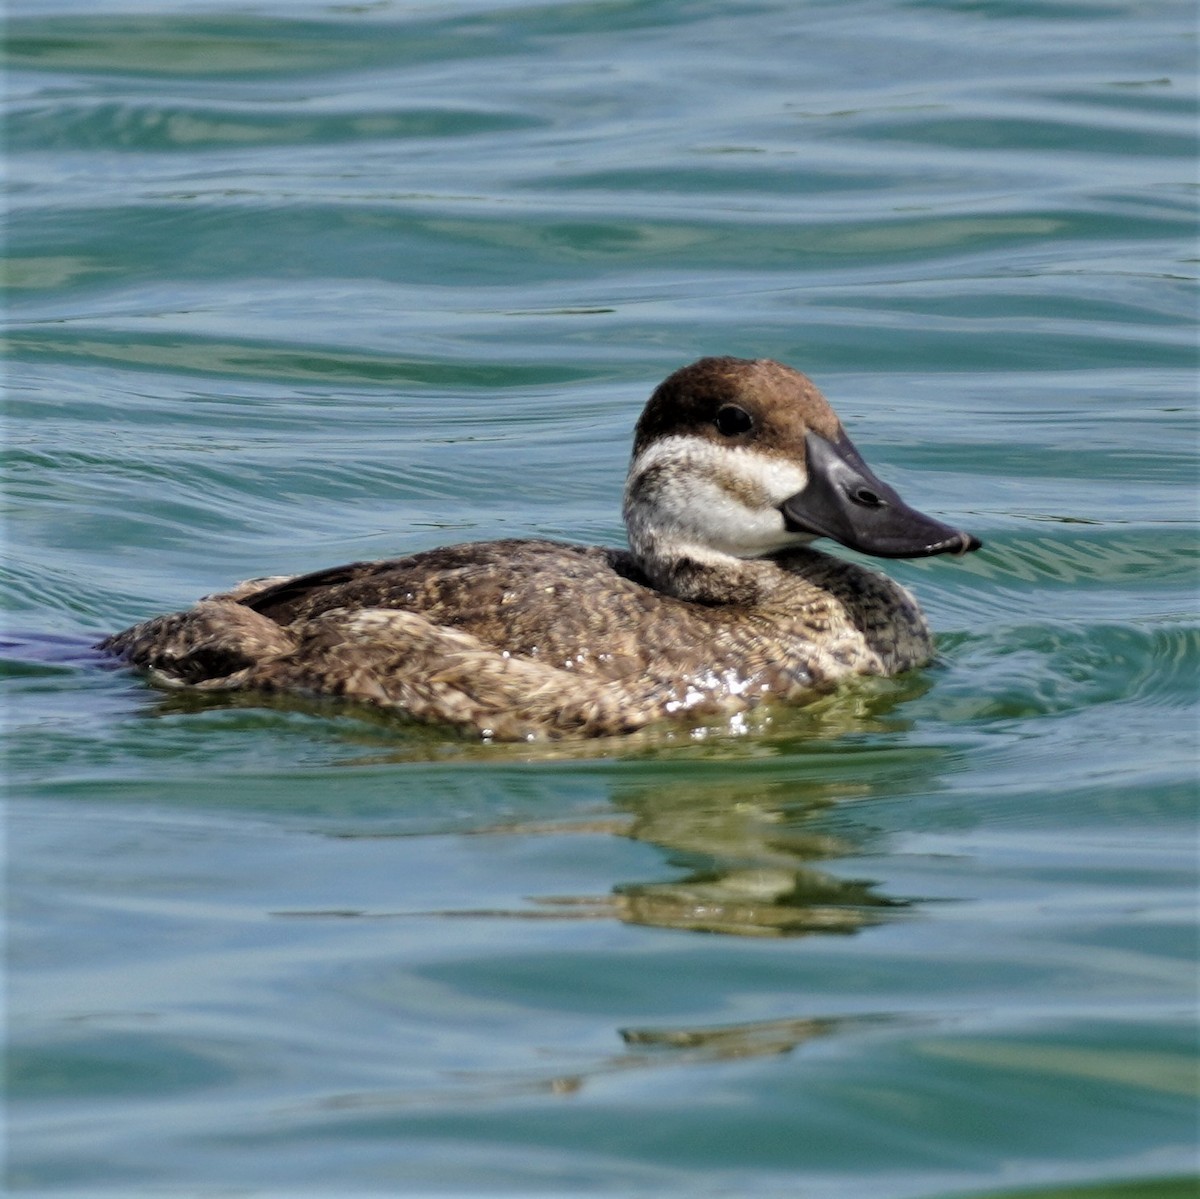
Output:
x=719 y=605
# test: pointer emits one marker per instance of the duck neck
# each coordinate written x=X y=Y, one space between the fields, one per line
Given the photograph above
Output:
x=699 y=574
x=685 y=528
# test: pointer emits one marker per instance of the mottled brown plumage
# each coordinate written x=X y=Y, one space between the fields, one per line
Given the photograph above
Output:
x=523 y=638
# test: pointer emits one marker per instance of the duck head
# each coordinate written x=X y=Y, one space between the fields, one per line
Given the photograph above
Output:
x=738 y=458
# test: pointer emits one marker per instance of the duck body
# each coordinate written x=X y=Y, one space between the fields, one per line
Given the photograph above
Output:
x=719 y=604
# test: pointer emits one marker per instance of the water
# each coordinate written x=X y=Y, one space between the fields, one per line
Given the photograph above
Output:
x=298 y=284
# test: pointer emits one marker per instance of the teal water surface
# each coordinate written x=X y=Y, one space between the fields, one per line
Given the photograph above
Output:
x=293 y=285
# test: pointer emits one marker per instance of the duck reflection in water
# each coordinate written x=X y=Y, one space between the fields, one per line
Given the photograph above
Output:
x=750 y=840
x=751 y=851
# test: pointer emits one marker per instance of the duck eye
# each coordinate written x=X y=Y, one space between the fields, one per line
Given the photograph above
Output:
x=732 y=420
x=866 y=497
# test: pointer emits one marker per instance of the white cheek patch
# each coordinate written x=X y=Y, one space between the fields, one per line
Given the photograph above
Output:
x=693 y=493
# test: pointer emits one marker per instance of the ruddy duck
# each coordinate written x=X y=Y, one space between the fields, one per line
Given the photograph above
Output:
x=718 y=604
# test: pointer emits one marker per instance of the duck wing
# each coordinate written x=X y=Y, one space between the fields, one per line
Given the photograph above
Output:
x=513 y=594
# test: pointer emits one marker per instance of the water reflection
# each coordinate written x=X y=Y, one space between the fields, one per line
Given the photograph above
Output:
x=750 y=849
x=645 y=1049
x=746 y=830
x=755 y=903
x=746 y=823
x=749 y=844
